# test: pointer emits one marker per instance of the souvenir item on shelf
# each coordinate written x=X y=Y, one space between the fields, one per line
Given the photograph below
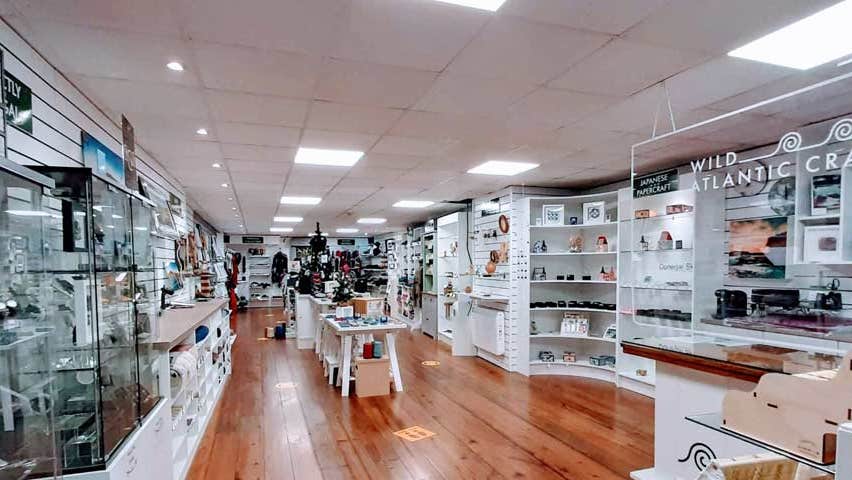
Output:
x=593 y=213
x=553 y=214
x=539 y=247
x=546 y=356
x=821 y=244
x=603 y=274
x=665 y=242
x=539 y=274
x=829 y=301
x=643 y=213
x=678 y=244
x=533 y=328
x=825 y=194
x=575 y=243
x=610 y=331
x=503 y=253
x=561 y=304
x=643 y=244
x=611 y=215
x=574 y=325
x=560 y=277
x=602 y=360
x=641 y=372
x=569 y=357
x=602 y=244
x=503 y=222
x=491 y=266
x=678 y=208
x=609 y=306
x=454 y=247
x=586 y=278
x=572 y=221
x=569 y=277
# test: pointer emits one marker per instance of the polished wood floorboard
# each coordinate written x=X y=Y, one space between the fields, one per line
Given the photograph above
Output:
x=279 y=420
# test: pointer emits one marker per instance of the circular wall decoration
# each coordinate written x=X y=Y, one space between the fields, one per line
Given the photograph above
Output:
x=503 y=222
x=755 y=186
x=782 y=196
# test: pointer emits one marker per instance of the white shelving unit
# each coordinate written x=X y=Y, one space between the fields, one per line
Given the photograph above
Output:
x=453 y=263
x=560 y=261
x=259 y=271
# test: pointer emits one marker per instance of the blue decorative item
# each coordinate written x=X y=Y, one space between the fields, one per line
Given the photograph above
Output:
x=201 y=333
x=378 y=349
x=280 y=333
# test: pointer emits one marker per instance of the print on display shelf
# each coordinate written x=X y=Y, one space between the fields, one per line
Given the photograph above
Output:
x=758 y=248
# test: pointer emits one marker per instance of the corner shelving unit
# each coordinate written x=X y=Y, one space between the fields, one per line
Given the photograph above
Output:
x=560 y=260
x=453 y=262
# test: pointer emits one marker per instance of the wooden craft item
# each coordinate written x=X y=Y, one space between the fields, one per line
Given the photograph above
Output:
x=503 y=253
x=503 y=222
x=798 y=413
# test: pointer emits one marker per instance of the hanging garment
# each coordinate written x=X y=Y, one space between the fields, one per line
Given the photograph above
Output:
x=279 y=268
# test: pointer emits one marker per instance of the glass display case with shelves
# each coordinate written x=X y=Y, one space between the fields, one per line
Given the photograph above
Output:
x=30 y=318
x=103 y=262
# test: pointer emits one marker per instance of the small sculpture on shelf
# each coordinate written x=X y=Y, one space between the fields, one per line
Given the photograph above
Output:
x=643 y=244
x=602 y=245
x=665 y=242
x=575 y=243
x=540 y=246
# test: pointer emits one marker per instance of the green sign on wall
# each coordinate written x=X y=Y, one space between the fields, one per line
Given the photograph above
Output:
x=19 y=103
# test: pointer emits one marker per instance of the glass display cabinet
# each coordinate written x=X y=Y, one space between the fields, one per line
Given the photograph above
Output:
x=103 y=264
x=30 y=315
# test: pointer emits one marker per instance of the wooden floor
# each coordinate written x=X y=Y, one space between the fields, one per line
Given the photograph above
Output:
x=278 y=420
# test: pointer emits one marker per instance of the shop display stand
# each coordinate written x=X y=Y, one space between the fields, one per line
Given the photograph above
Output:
x=576 y=351
x=653 y=277
x=453 y=267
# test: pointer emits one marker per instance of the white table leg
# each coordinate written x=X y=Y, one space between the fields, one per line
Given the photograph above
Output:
x=8 y=413
x=397 y=376
x=340 y=362
x=318 y=338
x=347 y=360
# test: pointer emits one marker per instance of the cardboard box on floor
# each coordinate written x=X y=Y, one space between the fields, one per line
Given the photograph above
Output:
x=372 y=376
x=368 y=306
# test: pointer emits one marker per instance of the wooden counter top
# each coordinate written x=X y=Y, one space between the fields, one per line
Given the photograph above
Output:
x=176 y=323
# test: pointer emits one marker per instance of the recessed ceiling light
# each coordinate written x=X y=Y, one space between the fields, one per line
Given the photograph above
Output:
x=233 y=208
x=347 y=230
x=175 y=66
x=288 y=219
x=224 y=185
x=201 y=131
x=217 y=165
x=372 y=220
x=811 y=41
x=498 y=167
x=335 y=158
x=230 y=198
x=281 y=229
x=490 y=5
x=300 y=200
x=413 y=203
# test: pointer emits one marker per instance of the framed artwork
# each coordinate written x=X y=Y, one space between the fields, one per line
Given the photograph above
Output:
x=758 y=248
x=594 y=213
x=101 y=159
x=825 y=194
x=821 y=244
x=176 y=205
x=390 y=246
x=165 y=223
x=173 y=277
x=553 y=214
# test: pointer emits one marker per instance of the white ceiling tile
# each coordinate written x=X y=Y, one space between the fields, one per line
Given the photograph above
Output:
x=719 y=26
x=351 y=118
x=371 y=84
x=150 y=16
x=623 y=68
x=337 y=140
x=125 y=96
x=266 y=109
x=170 y=148
x=408 y=33
x=461 y=94
x=264 y=135
x=560 y=107
x=237 y=167
x=257 y=152
x=381 y=160
x=633 y=114
x=395 y=145
x=380 y=175
x=258 y=71
x=607 y=16
x=169 y=127
x=512 y=48
x=306 y=26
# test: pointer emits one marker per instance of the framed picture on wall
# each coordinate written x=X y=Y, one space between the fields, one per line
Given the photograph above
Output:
x=757 y=248
x=553 y=214
x=163 y=218
x=821 y=244
x=825 y=194
x=101 y=159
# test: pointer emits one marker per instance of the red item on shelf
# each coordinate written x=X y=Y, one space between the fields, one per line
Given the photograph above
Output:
x=368 y=350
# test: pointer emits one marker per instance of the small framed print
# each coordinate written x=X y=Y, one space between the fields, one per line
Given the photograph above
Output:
x=553 y=214
x=593 y=213
x=821 y=244
x=825 y=194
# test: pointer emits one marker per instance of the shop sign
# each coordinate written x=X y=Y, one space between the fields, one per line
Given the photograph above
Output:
x=19 y=103
x=655 y=183
x=252 y=239
x=346 y=241
x=753 y=169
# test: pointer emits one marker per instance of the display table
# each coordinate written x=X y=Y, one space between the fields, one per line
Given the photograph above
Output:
x=693 y=373
x=346 y=333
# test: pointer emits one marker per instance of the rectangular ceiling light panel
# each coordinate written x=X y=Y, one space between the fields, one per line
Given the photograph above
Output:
x=810 y=42
x=333 y=158
x=498 y=167
x=413 y=204
x=281 y=229
x=347 y=230
x=285 y=200
x=490 y=5
x=372 y=221
x=288 y=219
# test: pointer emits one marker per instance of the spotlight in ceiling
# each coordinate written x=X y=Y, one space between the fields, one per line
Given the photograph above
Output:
x=285 y=200
x=333 y=158
x=281 y=229
x=175 y=66
x=287 y=219
x=372 y=220
x=413 y=204
x=224 y=185
x=217 y=165
x=201 y=131
x=347 y=230
x=490 y=5
x=498 y=167
x=807 y=43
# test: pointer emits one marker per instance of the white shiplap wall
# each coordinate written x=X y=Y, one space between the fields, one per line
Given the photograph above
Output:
x=60 y=113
